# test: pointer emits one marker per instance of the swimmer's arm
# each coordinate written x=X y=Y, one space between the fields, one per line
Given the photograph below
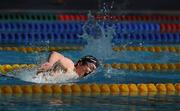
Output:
x=57 y=66
x=54 y=57
x=64 y=62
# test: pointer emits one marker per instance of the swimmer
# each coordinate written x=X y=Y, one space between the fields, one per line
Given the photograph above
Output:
x=57 y=62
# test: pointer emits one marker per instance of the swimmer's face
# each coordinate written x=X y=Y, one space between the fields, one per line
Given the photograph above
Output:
x=85 y=69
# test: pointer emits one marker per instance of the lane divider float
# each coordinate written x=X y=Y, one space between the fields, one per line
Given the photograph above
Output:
x=82 y=17
x=174 y=49
x=145 y=67
x=134 y=89
x=41 y=49
x=7 y=67
x=149 y=48
x=121 y=66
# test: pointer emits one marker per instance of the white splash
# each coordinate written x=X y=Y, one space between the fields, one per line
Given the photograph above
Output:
x=29 y=75
x=99 y=36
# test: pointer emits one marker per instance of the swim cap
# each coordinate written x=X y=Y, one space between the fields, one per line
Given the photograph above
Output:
x=89 y=59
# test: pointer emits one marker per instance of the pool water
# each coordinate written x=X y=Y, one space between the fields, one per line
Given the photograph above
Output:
x=95 y=102
x=89 y=103
x=109 y=75
x=99 y=45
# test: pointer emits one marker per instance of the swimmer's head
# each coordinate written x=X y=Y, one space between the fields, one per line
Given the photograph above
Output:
x=86 y=65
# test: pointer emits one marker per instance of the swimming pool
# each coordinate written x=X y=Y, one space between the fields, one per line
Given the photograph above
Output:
x=145 y=51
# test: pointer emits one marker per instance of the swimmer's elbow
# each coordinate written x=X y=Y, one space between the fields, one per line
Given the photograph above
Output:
x=57 y=55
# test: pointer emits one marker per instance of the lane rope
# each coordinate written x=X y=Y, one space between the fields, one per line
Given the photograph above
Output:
x=156 y=49
x=137 y=89
x=145 y=67
x=41 y=49
x=121 y=66
x=149 y=48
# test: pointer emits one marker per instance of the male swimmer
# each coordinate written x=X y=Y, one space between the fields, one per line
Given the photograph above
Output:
x=60 y=67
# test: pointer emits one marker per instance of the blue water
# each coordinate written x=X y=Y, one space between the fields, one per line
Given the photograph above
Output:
x=101 y=47
x=93 y=103
x=102 y=75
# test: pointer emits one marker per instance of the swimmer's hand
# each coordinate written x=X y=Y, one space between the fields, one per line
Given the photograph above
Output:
x=52 y=68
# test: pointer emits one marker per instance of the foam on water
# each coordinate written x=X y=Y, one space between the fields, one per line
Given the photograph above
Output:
x=29 y=75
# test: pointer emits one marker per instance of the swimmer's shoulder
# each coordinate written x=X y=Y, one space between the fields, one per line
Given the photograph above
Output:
x=69 y=64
